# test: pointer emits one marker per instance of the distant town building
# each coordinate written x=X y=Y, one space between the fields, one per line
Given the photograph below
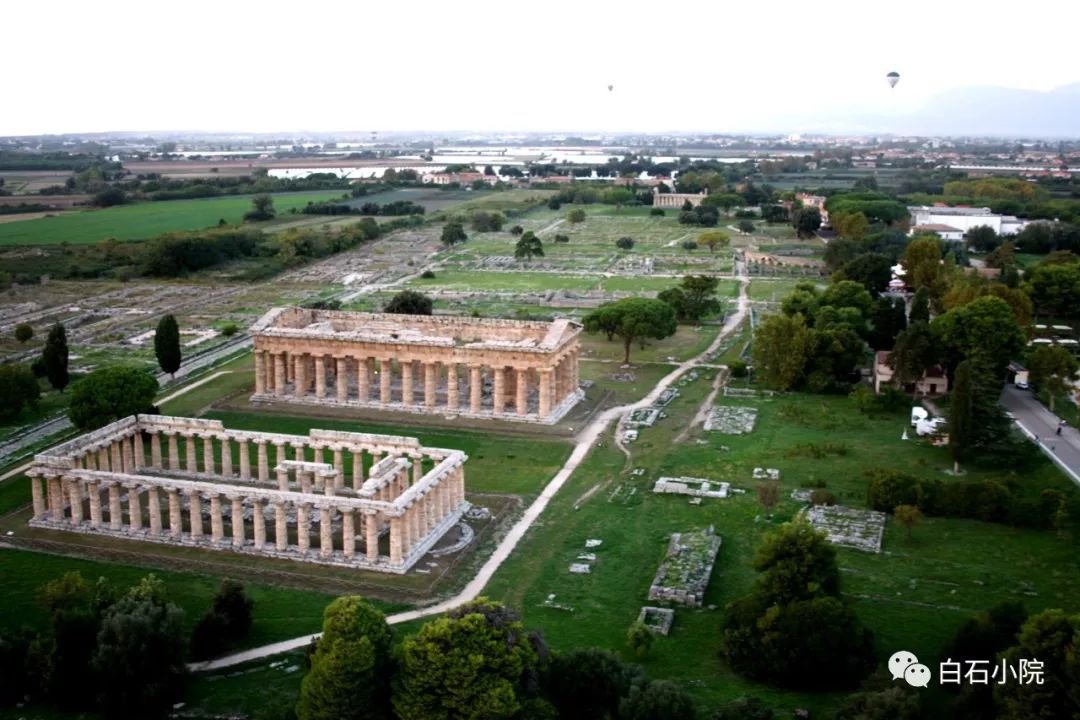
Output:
x=965 y=218
x=815 y=201
x=945 y=232
x=461 y=178
x=933 y=381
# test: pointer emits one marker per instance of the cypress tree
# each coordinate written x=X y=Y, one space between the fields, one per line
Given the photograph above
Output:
x=55 y=357
x=961 y=411
x=167 y=345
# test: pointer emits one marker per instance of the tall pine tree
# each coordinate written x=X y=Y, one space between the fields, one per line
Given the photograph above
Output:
x=55 y=357
x=167 y=345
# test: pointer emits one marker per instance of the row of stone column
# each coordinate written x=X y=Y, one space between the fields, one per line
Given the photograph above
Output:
x=62 y=500
x=371 y=380
x=127 y=455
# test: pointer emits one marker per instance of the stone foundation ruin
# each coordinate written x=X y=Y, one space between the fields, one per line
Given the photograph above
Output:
x=684 y=574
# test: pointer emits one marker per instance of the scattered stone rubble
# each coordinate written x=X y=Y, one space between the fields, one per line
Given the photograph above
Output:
x=849 y=527
x=731 y=419
x=684 y=574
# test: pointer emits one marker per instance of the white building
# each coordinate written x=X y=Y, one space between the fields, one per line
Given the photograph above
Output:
x=965 y=218
x=945 y=232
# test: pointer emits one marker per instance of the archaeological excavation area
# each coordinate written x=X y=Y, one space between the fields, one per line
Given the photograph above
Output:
x=475 y=367
x=193 y=482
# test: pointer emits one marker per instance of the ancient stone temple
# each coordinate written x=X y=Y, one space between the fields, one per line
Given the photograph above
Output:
x=478 y=367
x=377 y=502
x=677 y=200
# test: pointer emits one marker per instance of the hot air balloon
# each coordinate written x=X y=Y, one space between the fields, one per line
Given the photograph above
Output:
x=610 y=88
x=893 y=78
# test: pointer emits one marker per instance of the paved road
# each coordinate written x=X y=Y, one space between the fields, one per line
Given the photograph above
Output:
x=584 y=442
x=1038 y=422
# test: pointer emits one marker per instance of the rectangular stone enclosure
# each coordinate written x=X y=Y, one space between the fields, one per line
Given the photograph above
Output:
x=193 y=482
x=477 y=367
x=687 y=567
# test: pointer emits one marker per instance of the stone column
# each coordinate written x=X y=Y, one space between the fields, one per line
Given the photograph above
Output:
x=395 y=540
x=279 y=374
x=303 y=527
x=385 y=367
x=522 y=384
x=499 y=405
x=95 y=504
x=38 y=496
x=302 y=383
x=305 y=480
x=153 y=503
x=414 y=525
x=545 y=392
x=134 y=509
x=208 y=453
x=371 y=525
x=363 y=380
x=115 y=460
x=174 y=452
x=357 y=469
x=138 y=449
x=417 y=469
x=281 y=527
x=217 y=527
x=195 y=514
x=237 y=521
x=258 y=522
x=341 y=378
x=320 y=377
x=264 y=465
x=127 y=449
x=190 y=456
x=348 y=533
x=75 y=498
x=176 y=519
x=406 y=382
x=326 y=539
x=155 y=448
x=245 y=460
x=476 y=387
x=116 y=515
x=260 y=372
x=226 y=457
x=430 y=378
x=282 y=479
x=452 y=399
x=575 y=371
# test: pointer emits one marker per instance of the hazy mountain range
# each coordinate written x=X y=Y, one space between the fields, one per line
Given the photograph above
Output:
x=978 y=110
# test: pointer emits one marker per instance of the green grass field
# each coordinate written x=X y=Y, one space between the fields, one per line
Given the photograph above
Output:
x=144 y=220
x=913 y=596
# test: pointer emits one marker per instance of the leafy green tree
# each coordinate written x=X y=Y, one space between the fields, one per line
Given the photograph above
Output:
x=887 y=321
x=848 y=293
x=806 y=221
x=468 y=666
x=984 y=329
x=746 y=226
x=110 y=393
x=1052 y=368
x=640 y=638
x=657 y=700
x=914 y=352
x=891 y=703
x=633 y=320
x=782 y=346
x=167 y=345
x=745 y=708
x=851 y=226
x=694 y=298
x=54 y=357
x=625 y=243
x=139 y=659
x=18 y=390
x=262 y=208
x=587 y=684
x=909 y=516
x=1050 y=637
x=225 y=622
x=714 y=239
x=409 y=302
x=575 y=216
x=24 y=332
x=1054 y=288
x=689 y=245
x=796 y=562
x=453 y=233
x=349 y=668
x=923 y=268
x=872 y=270
x=483 y=221
x=920 y=307
x=982 y=238
x=1003 y=256
x=74 y=608
x=528 y=246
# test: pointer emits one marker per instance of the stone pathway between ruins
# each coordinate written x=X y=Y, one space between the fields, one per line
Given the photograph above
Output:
x=585 y=441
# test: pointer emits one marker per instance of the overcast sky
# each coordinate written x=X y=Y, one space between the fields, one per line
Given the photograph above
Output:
x=510 y=65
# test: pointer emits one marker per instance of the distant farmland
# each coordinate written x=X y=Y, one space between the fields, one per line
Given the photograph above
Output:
x=431 y=198
x=144 y=220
